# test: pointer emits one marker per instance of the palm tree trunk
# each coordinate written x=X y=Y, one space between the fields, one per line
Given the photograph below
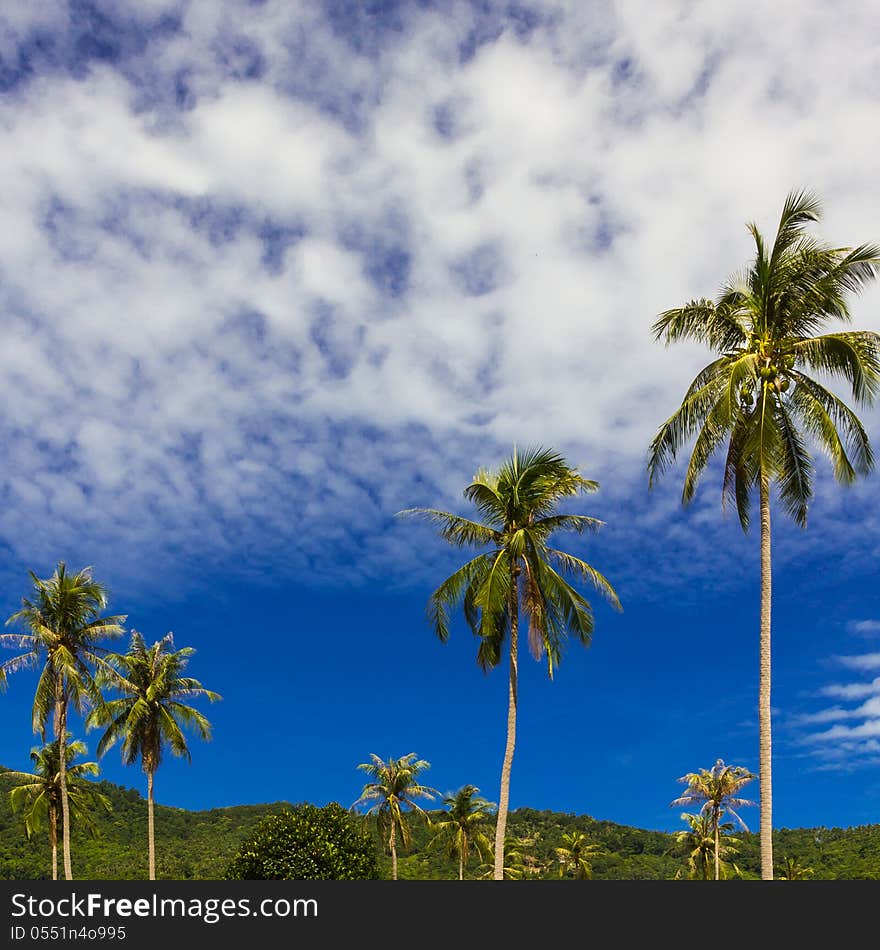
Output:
x=151 y=828
x=716 y=818
x=461 y=867
x=53 y=840
x=764 y=725
x=504 y=794
x=392 y=843
x=61 y=736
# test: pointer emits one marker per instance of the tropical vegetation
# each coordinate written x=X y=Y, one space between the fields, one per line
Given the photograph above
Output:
x=307 y=843
x=391 y=797
x=716 y=791
x=200 y=845
x=793 y=870
x=575 y=855
x=37 y=794
x=61 y=626
x=459 y=830
x=707 y=847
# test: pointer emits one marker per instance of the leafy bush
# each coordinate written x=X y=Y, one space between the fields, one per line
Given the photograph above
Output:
x=307 y=844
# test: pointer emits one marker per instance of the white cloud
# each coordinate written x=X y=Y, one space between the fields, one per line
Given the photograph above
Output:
x=865 y=661
x=852 y=690
x=850 y=742
x=474 y=253
x=865 y=729
x=864 y=628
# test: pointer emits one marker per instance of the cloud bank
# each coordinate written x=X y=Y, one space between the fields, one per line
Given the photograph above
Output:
x=271 y=272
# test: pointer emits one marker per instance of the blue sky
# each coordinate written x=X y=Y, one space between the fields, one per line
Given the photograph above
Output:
x=271 y=272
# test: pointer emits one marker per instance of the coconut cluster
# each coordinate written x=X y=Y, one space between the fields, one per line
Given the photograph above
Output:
x=773 y=375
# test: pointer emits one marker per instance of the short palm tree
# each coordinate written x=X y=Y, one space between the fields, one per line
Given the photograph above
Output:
x=150 y=714
x=460 y=830
x=760 y=396
x=38 y=793
x=575 y=855
x=707 y=854
x=392 y=795
x=64 y=622
x=515 y=858
x=519 y=573
x=793 y=870
x=716 y=791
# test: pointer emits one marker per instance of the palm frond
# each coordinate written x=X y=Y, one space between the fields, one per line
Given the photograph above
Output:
x=823 y=414
x=455 y=529
x=795 y=468
x=854 y=355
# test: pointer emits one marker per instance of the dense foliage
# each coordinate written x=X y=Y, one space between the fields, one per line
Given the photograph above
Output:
x=628 y=853
x=199 y=845
x=307 y=844
x=191 y=845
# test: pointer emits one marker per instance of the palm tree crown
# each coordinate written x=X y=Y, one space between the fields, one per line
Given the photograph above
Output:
x=794 y=870
x=575 y=855
x=460 y=829
x=149 y=715
x=717 y=790
x=393 y=793
x=64 y=624
x=759 y=394
x=518 y=505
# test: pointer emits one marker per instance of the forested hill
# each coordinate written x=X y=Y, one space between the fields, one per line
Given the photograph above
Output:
x=199 y=844
x=190 y=845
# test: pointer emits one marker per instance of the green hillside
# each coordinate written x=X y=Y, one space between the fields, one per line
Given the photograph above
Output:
x=197 y=845
x=190 y=845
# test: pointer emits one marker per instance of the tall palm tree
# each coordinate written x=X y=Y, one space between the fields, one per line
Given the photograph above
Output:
x=150 y=714
x=574 y=855
x=38 y=793
x=393 y=792
x=716 y=791
x=759 y=397
x=519 y=572
x=701 y=846
x=64 y=624
x=460 y=829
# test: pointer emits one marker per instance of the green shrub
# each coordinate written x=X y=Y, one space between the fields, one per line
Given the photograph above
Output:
x=307 y=844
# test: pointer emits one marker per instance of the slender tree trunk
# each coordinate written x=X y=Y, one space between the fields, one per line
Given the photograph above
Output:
x=764 y=725
x=392 y=843
x=53 y=840
x=461 y=867
x=504 y=794
x=716 y=817
x=151 y=827
x=61 y=736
